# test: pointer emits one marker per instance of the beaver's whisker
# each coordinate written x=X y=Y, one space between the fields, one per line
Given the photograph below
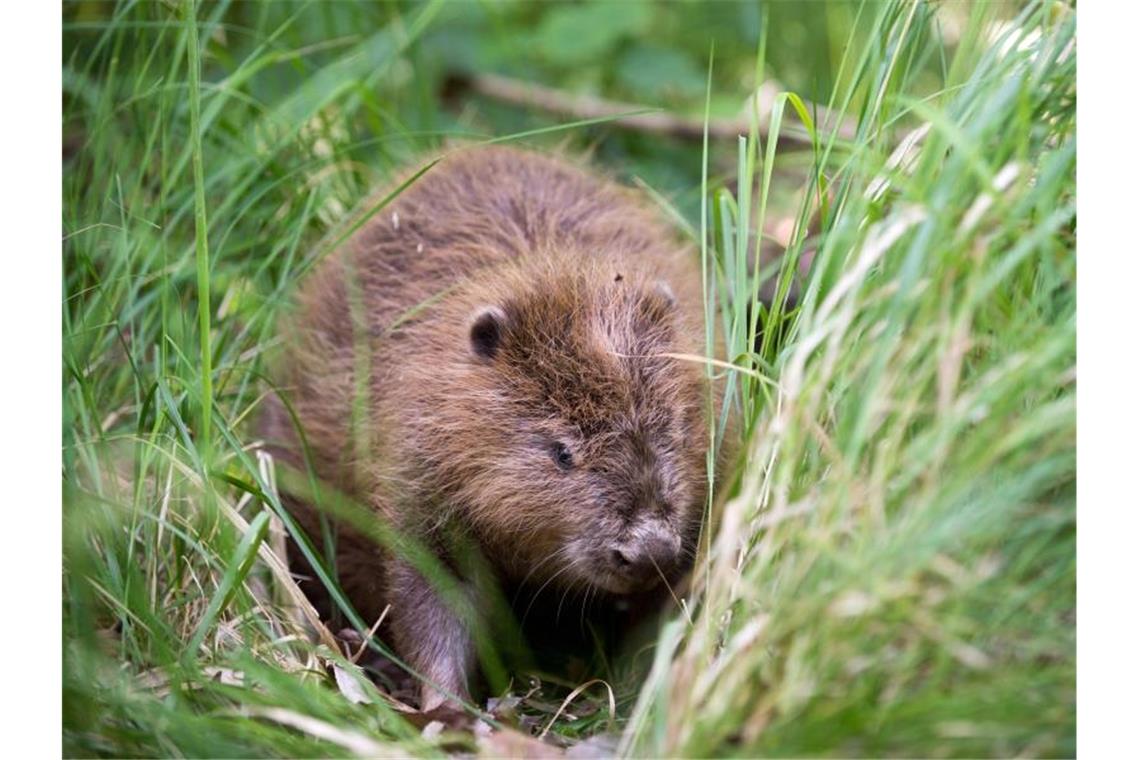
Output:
x=535 y=569
x=536 y=594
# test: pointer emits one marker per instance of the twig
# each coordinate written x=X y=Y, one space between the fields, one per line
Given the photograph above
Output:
x=631 y=116
x=371 y=632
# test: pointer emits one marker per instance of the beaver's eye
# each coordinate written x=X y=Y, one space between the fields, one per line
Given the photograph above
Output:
x=561 y=455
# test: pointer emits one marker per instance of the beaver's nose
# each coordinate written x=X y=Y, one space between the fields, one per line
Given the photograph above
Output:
x=649 y=558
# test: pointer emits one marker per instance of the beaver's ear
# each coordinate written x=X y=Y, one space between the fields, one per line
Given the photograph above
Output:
x=659 y=302
x=486 y=333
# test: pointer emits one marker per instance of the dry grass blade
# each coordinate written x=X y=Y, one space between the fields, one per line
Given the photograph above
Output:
x=573 y=695
x=371 y=632
x=353 y=741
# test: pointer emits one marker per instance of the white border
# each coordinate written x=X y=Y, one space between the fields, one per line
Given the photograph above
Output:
x=1108 y=321
x=30 y=304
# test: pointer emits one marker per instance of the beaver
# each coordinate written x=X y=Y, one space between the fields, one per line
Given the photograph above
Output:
x=504 y=352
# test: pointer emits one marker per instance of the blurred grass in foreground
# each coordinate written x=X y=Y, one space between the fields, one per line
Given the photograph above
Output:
x=893 y=571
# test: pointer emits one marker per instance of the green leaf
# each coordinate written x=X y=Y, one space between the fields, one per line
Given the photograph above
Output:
x=654 y=73
x=579 y=34
x=238 y=568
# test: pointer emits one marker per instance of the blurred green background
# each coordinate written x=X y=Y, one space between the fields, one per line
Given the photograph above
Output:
x=645 y=52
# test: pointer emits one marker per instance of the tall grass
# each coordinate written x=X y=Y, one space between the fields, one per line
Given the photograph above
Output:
x=895 y=573
x=890 y=569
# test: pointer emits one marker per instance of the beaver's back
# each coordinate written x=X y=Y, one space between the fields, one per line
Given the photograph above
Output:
x=474 y=208
x=477 y=208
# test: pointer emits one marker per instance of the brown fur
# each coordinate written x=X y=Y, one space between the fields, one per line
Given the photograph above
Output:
x=509 y=302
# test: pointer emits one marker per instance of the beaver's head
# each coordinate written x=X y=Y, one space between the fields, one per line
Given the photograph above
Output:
x=569 y=432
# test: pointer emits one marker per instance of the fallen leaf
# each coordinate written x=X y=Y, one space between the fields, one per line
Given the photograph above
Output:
x=349 y=686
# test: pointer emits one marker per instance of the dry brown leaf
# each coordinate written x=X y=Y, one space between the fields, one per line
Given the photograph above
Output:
x=509 y=743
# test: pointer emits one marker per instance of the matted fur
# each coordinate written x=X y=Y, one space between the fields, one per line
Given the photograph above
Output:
x=488 y=353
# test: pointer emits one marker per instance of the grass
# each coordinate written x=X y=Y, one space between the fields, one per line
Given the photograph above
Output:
x=890 y=567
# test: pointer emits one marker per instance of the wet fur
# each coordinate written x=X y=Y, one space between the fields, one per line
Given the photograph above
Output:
x=585 y=288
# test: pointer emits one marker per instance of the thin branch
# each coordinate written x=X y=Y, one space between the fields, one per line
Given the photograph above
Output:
x=630 y=115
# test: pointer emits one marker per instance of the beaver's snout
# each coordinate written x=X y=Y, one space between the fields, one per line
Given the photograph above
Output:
x=651 y=555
